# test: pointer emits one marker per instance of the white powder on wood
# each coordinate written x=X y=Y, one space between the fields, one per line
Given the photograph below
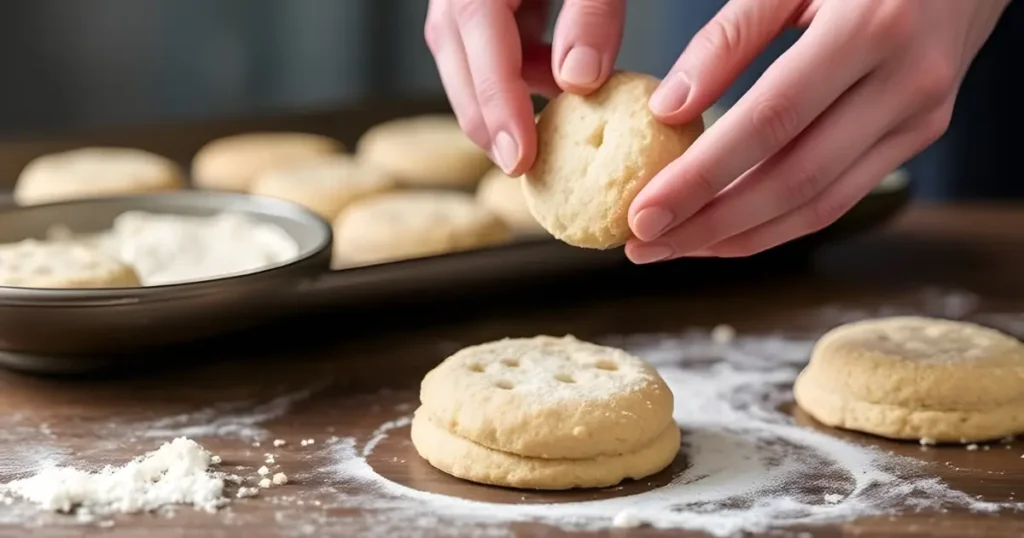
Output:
x=178 y=473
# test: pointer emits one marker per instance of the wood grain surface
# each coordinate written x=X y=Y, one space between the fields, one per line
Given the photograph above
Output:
x=345 y=374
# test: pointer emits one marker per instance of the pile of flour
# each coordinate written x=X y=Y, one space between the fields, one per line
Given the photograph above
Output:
x=750 y=467
x=177 y=473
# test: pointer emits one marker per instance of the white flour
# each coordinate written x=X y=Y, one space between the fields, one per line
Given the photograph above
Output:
x=176 y=473
x=750 y=467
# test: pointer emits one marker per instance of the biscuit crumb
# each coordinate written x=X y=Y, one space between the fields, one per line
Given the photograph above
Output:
x=263 y=471
x=280 y=479
x=626 y=519
x=269 y=459
x=723 y=334
x=215 y=459
x=972 y=447
x=280 y=442
x=256 y=444
x=244 y=492
x=927 y=441
x=1008 y=439
x=265 y=483
x=307 y=442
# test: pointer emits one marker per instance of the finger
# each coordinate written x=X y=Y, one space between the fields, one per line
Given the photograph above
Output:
x=717 y=54
x=794 y=91
x=890 y=153
x=445 y=43
x=532 y=18
x=587 y=38
x=494 y=54
x=798 y=173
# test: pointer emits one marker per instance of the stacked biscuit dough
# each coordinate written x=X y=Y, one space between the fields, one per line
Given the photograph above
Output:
x=545 y=413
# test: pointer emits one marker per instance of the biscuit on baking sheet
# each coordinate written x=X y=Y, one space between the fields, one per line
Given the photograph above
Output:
x=425 y=151
x=594 y=154
x=325 y=185
x=232 y=163
x=92 y=172
x=503 y=195
x=39 y=264
x=465 y=459
x=411 y=224
x=549 y=397
x=916 y=378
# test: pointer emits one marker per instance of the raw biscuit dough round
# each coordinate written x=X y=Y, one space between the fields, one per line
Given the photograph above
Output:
x=425 y=151
x=911 y=377
x=467 y=460
x=503 y=195
x=411 y=224
x=93 y=172
x=548 y=397
x=324 y=185
x=61 y=265
x=233 y=162
x=594 y=154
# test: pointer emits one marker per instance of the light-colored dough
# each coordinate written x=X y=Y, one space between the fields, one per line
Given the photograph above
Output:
x=467 y=460
x=412 y=224
x=39 y=264
x=424 y=151
x=93 y=172
x=548 y=397
x=916 y=378
x=503 y=195
x=594 y=154
x=233 y=162
x=324 y=185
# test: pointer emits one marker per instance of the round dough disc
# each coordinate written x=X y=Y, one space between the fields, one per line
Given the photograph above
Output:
x=470 y=461
x=232 y=163
x=548 y=397
x=59 y=265
x=425 y=151
x=503 y=195
x=94 y=172
x=411 y=224
x=324 y=185
x=594 y=154
x=916 y=378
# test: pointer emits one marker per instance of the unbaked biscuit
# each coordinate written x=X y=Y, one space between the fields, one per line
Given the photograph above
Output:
x=503 y=195
x=425 y=151
x=233 y=162
x=325 y=185
x=916 y=378
x=411 y=224
x=467 y=460
x=548 y=397
x=38 y=264
x=93 y=172
x=594 y=154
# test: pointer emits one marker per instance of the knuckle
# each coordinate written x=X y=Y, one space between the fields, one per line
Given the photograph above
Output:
x=776 y=119
x=934 y=79
x=823 y=212
x=432 y=30
x=591 y=10
x=893 y=23
x=490 y=92
x=803 y=184
x=467 y=10
x=719 y=36
x=702 y=183
x=936 y=124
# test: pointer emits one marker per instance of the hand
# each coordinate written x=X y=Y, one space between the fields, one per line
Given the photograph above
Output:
x=491 y=56
x=868 y=85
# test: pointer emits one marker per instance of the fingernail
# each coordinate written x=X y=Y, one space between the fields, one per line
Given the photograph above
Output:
x=641 y=254
x=650 y=222
x=582 y=66
x=506 y=151
x=671 y=94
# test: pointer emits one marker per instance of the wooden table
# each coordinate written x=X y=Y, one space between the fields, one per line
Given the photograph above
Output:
x=333 y=377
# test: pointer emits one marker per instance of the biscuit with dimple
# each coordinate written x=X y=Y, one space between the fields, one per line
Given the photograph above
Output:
x=425 y=151
x=412 y=224
x=325 y=185
x=594 y=154
x=38 y=264
x=503 y=195
x=93 y=172
x=233 y=162
x=467 y=460
x=916 y=378
x=548 y=397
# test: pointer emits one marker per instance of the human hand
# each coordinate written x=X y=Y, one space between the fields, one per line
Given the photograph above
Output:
x=867 y=86
x=491 y=56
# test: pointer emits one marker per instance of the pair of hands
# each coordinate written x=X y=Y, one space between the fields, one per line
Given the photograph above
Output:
x=869 y=84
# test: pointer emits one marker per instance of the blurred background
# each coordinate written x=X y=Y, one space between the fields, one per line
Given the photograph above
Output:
x=84 y=65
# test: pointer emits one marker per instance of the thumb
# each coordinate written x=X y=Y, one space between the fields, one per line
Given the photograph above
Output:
x=717 y=54
x=587 y=38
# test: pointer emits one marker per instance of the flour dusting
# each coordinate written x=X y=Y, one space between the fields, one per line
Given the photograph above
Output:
x=751 y=467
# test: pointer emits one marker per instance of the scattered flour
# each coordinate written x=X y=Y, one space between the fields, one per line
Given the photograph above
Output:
x=751 y=468
x=176 y=473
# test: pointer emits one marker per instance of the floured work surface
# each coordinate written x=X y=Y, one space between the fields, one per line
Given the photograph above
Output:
x=333 y=420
